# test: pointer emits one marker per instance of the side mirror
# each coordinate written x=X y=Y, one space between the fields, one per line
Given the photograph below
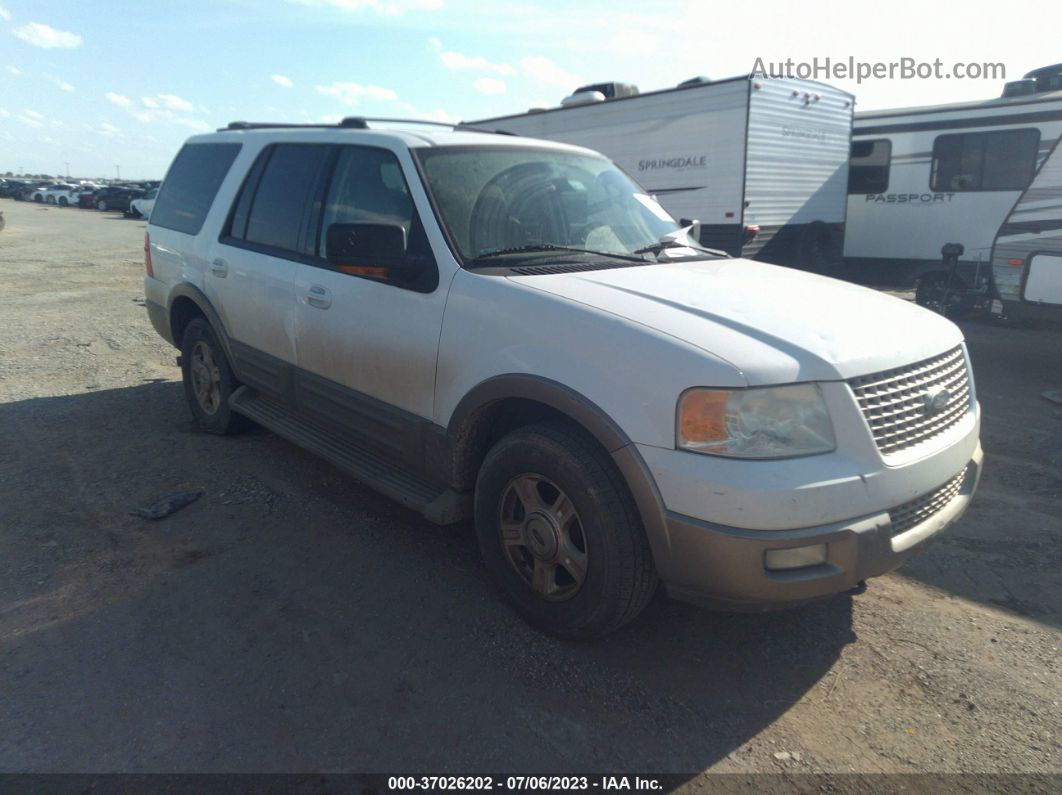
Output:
x=365 y=244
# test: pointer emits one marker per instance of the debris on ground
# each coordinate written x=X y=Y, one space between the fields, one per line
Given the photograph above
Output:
x=164 y=506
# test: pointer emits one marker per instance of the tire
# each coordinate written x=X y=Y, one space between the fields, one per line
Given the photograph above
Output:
x=38 y=198
x=598 y=526
x=205 y=369
x=944 y=294
x=101 y=205
x=63 y=201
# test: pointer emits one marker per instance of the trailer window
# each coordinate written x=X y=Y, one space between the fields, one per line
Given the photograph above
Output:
x=868 y=168
x=1004 y=160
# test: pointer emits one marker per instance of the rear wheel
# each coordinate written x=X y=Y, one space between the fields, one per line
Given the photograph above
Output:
x=559 y=532
x=208 y=380
x=101 y=204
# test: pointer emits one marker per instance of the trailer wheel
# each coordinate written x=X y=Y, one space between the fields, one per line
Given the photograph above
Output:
x=944 y=293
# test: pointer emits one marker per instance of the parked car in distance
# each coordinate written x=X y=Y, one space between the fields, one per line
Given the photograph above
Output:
x=13 y=188
x=513 y=331
x=116 y=197
x=141 y=208
x=62 y=194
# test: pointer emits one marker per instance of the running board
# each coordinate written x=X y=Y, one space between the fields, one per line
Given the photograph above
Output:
x=437 y=504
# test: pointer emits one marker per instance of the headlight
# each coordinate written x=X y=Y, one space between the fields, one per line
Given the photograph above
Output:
x=772 y=422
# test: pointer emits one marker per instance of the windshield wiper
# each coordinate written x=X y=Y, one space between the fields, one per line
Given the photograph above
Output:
x=660 y=245
x=531 y=248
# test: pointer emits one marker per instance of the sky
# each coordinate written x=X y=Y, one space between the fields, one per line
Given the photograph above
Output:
x=115 y=86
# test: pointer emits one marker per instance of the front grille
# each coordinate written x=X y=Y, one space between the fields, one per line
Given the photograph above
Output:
x=894 y=401
x=922 y=508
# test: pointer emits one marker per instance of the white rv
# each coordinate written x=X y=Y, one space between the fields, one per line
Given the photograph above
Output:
x=1027 y=255
x=923 y=177
x=762 y=164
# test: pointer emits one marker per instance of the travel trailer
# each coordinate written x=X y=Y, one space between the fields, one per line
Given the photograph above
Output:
x=920 y=178
x=1027 y=254
x=762 y=164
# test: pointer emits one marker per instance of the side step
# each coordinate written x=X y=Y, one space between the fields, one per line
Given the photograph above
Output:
x=436 y=503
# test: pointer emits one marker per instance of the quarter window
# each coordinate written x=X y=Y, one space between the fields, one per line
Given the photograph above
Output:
x=1003 y=160
x=191 y=184
x=868 y=169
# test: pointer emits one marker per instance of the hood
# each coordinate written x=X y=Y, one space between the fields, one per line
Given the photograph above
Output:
x=776 y=325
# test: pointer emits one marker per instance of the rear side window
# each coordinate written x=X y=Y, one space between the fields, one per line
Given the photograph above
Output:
x=272 y=208
x=868 y=170
x=191 y=184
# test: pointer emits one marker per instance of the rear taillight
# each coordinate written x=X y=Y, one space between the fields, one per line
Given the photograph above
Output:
x=147 y=256
x=751 y=230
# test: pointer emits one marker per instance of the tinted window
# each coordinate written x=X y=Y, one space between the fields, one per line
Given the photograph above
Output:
x=191 y=184
x=868 y=170
x=368 y=190
x=278 y=210
x=1002 y=160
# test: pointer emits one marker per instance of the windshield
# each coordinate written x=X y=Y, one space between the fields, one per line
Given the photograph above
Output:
x=498 y=201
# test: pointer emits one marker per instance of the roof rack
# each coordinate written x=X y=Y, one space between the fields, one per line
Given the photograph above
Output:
x=357 y=123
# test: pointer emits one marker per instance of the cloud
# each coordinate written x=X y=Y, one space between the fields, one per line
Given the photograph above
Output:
x=546 y=73
x=490 y=86
x=434 y=115
x=30 y=118
x=109 y=130
x=40 y=35
x=58 y=82
x=4 y=113
x=386 y=7
x=352 y=93
x=14 y=70
x=458 y=60
x=174 y=102
x=5 y=14
x=281 y=80
x=167 y=108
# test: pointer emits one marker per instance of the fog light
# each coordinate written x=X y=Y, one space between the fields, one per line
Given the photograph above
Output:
x=795 y=558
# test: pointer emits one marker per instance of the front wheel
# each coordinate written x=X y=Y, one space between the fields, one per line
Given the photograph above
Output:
x=208 y=380
x=559 y=532
x=63 y=202
x=101 y=205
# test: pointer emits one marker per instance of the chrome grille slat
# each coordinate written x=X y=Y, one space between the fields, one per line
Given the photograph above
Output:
x=892 y=401
x=913 y=513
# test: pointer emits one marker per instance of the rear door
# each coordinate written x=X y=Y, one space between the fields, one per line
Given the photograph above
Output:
x=251 y=265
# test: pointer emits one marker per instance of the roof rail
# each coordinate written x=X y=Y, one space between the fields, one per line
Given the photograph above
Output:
x=357 y=123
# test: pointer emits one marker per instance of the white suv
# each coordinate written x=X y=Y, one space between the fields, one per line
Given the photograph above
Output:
x=490 y=327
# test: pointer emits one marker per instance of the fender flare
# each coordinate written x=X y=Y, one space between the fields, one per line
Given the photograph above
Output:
x=198 y=297
x=590 y=417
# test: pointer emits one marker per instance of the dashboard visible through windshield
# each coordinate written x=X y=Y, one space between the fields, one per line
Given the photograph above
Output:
x=497 y=202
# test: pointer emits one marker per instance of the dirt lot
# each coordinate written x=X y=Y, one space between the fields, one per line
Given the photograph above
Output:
x=291 y=620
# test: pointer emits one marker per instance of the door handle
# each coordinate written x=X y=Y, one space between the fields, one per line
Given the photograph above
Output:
x=319 y=297
x=219 y=268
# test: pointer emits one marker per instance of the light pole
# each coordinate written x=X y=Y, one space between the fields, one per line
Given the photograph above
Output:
x=67 y=168
x=118 y=172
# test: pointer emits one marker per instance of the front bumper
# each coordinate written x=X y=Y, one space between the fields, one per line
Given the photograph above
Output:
x=724 y=567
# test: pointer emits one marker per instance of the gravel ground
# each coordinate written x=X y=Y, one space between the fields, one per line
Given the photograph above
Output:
x=290 y=620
